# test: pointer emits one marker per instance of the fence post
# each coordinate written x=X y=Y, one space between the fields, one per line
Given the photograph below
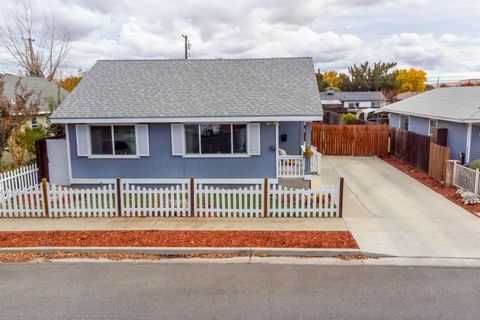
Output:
x=45 y=197
x=477 y=173
x=192 y=196
x=265 y=197
x=340 y=198
x=119 y=197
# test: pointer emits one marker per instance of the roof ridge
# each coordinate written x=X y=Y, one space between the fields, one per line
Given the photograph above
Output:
x=208 y=59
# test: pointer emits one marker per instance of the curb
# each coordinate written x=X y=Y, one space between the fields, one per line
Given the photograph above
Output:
x=289 y=252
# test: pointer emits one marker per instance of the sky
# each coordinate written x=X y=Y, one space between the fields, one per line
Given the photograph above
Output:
x=440 y=36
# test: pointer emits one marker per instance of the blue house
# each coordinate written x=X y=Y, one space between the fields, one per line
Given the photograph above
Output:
x=456 y=108
x=225 y=121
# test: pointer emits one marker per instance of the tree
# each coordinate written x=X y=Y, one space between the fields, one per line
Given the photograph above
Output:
x=411 y=80
x=69 y=83
x=14 y=114
x=322 y=84
x=22 y=144
x=380 y=77
x=332 y=78
x=38 y=44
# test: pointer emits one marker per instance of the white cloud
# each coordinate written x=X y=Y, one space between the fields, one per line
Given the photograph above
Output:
x=336 y=33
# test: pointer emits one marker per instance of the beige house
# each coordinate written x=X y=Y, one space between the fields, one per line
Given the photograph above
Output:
x=52 y=95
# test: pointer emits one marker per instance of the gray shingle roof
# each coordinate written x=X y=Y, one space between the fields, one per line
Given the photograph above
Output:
x=354 y=96
x=46 y=88
x=195 y=88
x=460 y=104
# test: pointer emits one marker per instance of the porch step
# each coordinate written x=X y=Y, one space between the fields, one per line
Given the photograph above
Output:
x=294 y=183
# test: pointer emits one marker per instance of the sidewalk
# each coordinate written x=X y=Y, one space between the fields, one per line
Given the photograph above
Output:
x=252 y=224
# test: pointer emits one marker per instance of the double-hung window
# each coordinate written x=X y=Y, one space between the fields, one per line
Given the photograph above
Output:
x=113 y=140
x=216 y=138
x=432 y=124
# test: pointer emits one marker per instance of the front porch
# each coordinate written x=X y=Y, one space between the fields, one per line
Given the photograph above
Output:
x=294 y=167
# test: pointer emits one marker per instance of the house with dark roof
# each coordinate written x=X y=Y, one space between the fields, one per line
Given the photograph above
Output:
x=343 y=102
x=456 y=108
x=218 y=120
x=51 y=96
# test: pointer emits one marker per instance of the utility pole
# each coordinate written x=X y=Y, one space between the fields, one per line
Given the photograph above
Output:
x=438 y=82
x=186 y=45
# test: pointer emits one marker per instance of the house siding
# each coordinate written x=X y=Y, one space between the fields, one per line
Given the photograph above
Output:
x=162 y=165
x=419 y=125
x=456 y=137
x=394 y=120
x=475 y=146
x=294 y=131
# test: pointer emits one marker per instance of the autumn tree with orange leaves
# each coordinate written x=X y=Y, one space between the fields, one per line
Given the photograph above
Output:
x=411 y=80
x=69 y=83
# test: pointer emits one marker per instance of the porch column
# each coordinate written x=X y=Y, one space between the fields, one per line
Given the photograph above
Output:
x=308 y=142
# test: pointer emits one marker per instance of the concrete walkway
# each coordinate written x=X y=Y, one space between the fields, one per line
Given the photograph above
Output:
x=270 y=224
x=388 y=212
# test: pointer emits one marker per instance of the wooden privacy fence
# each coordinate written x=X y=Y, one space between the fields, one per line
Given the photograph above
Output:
x=351 y=140
x=418 y=151
x=410 y=147
x=182 y=200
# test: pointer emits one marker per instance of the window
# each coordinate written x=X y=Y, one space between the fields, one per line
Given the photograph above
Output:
x=353 y=105
x=433 y=124
x=215 y=138
x=113 y=140
x=34 y=122
x=404 y=122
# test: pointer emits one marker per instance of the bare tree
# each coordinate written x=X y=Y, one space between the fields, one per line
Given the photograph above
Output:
x=35 y=42
x=14 y=114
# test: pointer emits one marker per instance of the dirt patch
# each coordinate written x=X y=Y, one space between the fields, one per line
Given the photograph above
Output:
x=161 y=238
x=447 y=192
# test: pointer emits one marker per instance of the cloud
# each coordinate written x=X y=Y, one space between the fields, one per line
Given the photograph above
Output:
x=336 y=33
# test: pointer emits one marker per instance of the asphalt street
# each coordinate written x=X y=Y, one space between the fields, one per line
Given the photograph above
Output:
x=236 y=291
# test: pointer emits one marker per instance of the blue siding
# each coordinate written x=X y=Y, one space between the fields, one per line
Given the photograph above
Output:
x=456 y=137
x=394 y=120
x=294 y=132
x=475 y=146
x=162 y=165
x=419 y=125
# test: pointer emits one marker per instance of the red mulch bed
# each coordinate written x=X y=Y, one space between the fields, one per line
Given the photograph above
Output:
x=447 y=192
x=160 y=238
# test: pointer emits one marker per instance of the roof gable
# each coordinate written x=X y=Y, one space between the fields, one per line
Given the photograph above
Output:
x=195 y=88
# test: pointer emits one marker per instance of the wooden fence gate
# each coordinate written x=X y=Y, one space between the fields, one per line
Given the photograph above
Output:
x=410 y=147
x=351 y=140
x=437 y=164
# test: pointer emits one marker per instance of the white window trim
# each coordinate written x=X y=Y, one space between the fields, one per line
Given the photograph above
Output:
x=112 y=156
x=214 y=155
x=430 y=125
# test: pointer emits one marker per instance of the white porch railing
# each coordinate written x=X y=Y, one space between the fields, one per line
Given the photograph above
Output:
x=466 y=178
x=291 y=166
x=315 y=161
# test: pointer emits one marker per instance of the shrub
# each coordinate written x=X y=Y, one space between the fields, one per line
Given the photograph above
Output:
x=348 y=118
x=475 y=165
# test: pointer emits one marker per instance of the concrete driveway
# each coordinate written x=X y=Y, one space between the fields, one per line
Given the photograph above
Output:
x=388 y=212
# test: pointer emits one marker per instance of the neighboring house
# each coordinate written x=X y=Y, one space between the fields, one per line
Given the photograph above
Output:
x=343 y=102
x=52 y=95
x=164 y=121
x=404 y=95
x=456 y=108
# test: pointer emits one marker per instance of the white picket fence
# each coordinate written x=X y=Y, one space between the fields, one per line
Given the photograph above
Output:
x=175 y=201
x=155 y=202
x=19 y=179
x=239 y=203
x=466 y=178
